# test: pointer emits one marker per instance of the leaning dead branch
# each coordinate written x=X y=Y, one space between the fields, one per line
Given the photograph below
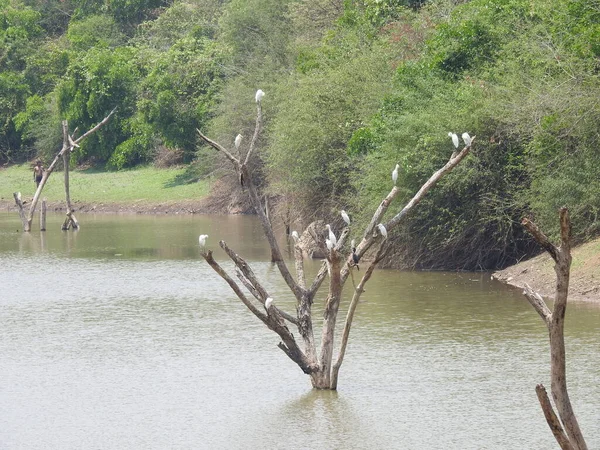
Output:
x=68 y=145
x=555 y=320
x=315 y=362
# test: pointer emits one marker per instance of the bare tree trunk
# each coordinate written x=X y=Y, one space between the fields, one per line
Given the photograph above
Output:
x=43 y=216
x=70 y=220
x=319 y=366
x=555 y=322
x=19 y=202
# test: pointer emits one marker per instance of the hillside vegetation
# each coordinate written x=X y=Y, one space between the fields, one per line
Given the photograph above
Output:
x=352 y=88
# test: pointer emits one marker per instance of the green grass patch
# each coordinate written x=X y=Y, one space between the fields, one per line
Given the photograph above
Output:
x=146 y=184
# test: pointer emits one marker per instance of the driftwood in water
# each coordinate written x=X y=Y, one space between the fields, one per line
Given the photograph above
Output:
x=569 y=435
x=339 y=263
x=67 y=148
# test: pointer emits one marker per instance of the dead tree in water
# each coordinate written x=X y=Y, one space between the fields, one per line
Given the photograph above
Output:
x=319 y=364
x=68 y=145
x=569 y=437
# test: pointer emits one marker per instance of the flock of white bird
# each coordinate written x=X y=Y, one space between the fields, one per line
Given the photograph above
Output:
x=331 y=240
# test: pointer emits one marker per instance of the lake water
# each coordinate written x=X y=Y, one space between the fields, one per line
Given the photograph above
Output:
x=120 y=336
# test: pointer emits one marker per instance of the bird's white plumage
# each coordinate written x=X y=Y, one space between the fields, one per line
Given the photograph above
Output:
x=268 y=303
x=295 y=236
x=238 y=140
x=467 y=139
x=395 y=174
x=332 y=237
x=259 y=95
x=454 y=138
x=353 y=243
x=382 y=230
x=202 y=240
x=329 y=244
x=345 y=217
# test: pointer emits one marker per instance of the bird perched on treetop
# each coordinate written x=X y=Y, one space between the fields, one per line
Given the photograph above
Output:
x=395 y=174
x=238 y=141
x=345 y=217
x=467 y=139
x=259 y=95
x=382 y=230
x=202 y=240
x=295 y=236
x=454 y=138
x=268 y=303
x=332 y=237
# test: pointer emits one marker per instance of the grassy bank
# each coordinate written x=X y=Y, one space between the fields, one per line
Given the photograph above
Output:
x=146 y=184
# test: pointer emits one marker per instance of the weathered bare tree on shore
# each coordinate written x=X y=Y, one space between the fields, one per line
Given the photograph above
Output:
x=318 y=364
x=567 y=434
x=68 y=145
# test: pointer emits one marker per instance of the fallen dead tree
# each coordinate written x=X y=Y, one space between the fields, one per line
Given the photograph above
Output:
x=318 y=363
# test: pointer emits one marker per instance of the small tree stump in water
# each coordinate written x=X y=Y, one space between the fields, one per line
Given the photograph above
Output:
x=43 y=216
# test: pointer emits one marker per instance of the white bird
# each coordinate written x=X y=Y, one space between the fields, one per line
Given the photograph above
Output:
x=202 y=240
x=238 y=140
x=332 y=237
x=259 y=95
x=295 y=236
x=329 y=244
x=353 y=243
x=467 y=139
x=454 y=138
x=345 y=217
x=268 y=303
x=395 y=174
x=382 y=230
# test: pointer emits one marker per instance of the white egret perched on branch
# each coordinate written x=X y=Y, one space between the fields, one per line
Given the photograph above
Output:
x=467 y=139
x=295 y=236
x=329 y=244
x=332 y=237
x=382 y=230
x=238 y=141
x=268 y=303
x=202 y=240
x=259 y=95
x=345 y=217
x=395 y=174
x=454 y=138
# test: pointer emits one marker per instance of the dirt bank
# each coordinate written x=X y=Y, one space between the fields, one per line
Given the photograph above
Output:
x=538 y=272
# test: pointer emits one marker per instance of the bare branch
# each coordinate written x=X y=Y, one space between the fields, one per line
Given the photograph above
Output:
x=541 y=238
x=552 y=419
x=93 y=130
x=233 y=285
x=538 y=304
x=254 y=286
x=257 y=129
x=220 y=148
x=437 y=176
x=350 y=315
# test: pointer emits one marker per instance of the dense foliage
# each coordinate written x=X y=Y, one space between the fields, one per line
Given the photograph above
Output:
x=353 y=88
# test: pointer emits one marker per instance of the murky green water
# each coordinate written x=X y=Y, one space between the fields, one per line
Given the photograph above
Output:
x=120 y=337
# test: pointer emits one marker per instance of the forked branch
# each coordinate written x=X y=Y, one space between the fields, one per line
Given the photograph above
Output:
x=555 y=323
